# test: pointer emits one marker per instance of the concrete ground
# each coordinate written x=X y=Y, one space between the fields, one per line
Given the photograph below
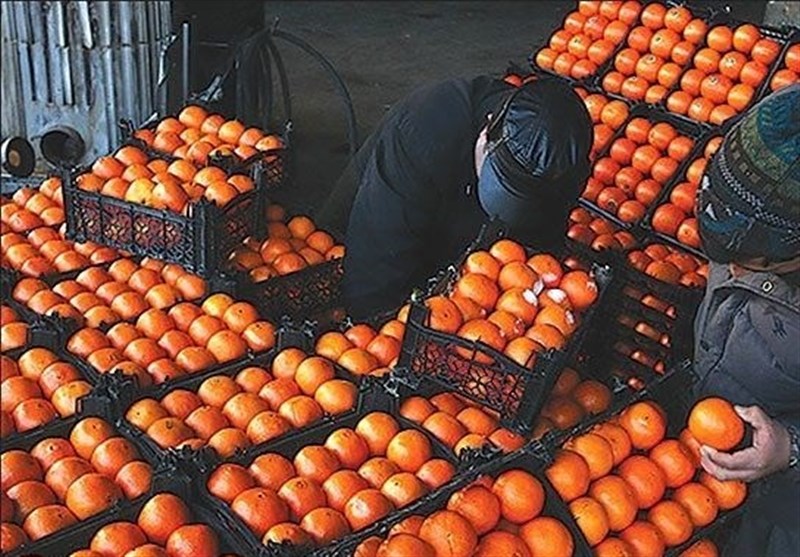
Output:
x=383 y=50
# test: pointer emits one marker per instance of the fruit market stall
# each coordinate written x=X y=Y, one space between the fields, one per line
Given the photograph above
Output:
x=180 y=377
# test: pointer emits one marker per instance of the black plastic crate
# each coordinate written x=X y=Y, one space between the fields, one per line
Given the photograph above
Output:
x=679 y=177
x=705 y=13
x=765 y=90
x=304 y=293
x=516 y=392
x=79 y=536
x=533 y=459
x=372 y=397
x=586 y=82
x=199 y=241
x=782 y=35
x=692 y=130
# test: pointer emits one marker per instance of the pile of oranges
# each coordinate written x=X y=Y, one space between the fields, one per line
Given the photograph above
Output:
x=125 y=291
x=163 y=526
x=670 y=265
x=607 y=117
x=656 y=53
x=357 y=477
x=790 y=70
x=45 y=251
x=627 y=180
x=13 y=330
x=598 y=232
x=255 y=406
x=30 y=208
x=132 y=176
x=588 y=38
x=292 y=244
x=188 y=338
x=517 y=304
x=195 y=135
x=62 y=481
x=497 y=515
x=459 y=423
x=36 y=389
x=725 y=74
x=362 y=350
x=621 y=469
x=676 y=218
x=571 y=400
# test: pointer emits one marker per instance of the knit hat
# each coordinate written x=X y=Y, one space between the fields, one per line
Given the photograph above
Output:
x=749 y=201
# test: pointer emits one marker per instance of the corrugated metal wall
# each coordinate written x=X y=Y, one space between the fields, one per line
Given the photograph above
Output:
x=84 y=63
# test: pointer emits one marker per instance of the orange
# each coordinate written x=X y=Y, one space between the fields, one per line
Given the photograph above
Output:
x=702 y=548
x=613 y=547
x=478 y=288
x=91 y=494
x=47 y=520
x=287 y=532
x=11 y=536
x=593 y=396
x=569 y=475
x=714 y=422
x=28 y=496
x=403 y=488
x=435 y=472
x=300 y=411
x=366 y=507
x=302 y=495
x=379 y=430
x=271 y=470
x=596 y=451
x=521 y=496
x=134 y=478
x=727 y=494
x=672 y=520
x=699 y=502
x=49 y=451
x=479 y=505
x=445 y=428
x=350 y=449
x=645 y=478
x=377 y=470
x=161 y=515
x=117 y=538
x=169 y=432
x=644 y=539
x=547 y=537
x=341 y=486
x=324 y=525
x=336 y=396
x=444 y=314
x=260 y=509
x=675 y=461
x=112 y=454
x=316 y=462
x=65 y=471
x=192 y=540
x=484 y=263
x=449 y=533
x=409 y=450
x=618 y=500
x=591 y=518
x=644 y=423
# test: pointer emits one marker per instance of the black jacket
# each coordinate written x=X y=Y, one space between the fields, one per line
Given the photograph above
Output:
x=415 y=208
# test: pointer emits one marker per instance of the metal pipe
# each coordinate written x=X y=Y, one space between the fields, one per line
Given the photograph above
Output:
x=185 y=60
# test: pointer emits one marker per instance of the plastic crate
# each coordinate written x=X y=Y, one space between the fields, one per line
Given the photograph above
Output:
x=783 y=36
x=372 y=397
x=688 y=129
x=79 y=536
x=199 y=241
x=532 y=459
x=479 y=372
x=128 y=395
x=304 y=293
x=705 y=13
x=20 y=438
x=587 y=81
x=766 y=89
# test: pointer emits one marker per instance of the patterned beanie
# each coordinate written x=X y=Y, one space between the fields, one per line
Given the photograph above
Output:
x=749 y=201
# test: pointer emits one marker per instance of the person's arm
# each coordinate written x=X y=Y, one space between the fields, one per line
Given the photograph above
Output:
x=770 y=452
